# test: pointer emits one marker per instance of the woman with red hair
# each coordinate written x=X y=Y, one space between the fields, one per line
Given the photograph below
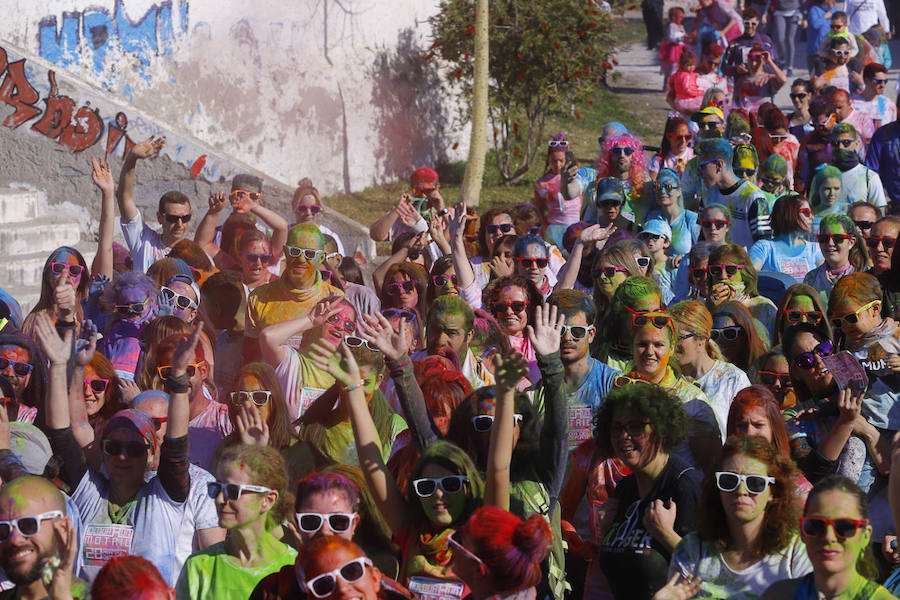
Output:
x=498 y=554
x=130 y=577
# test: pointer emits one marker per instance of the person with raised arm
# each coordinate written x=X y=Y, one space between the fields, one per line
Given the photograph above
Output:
x=101 y=174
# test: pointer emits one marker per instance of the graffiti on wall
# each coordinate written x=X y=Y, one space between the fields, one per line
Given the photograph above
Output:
x=103 y=35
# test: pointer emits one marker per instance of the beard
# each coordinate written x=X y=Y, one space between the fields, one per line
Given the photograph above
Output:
x=23 y=574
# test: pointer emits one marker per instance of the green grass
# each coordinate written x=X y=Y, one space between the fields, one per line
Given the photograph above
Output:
x=582 y=130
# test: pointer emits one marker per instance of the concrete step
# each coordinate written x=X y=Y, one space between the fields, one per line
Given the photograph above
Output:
x=24 y=270
x=41 y=235
x=17 y=205
x=27 y=297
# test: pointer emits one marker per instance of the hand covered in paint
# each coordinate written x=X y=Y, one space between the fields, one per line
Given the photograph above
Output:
x=659 y=519
x=102 y=175
x=64 y=298
x=57 y=571
x=547 y=330
x=217 y=202
x=5 y=434
x=165 y=306
x=679 y=590
x=407 y=212
x=130 y=390
x=719 y=293
x=249 y=425
x=893 y=361
x=379 y=332
x=56 y=349
x=509 y=371
x=318 y=316
x=337 y=362
x=86 y=345
x=500 y=267
x=186 y=350
x=149 y=147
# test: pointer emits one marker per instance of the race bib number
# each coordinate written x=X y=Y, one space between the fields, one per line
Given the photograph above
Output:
x=580 y=426
x=308 y=395
x=424 y=588
x=795 y=267
x=103 y=542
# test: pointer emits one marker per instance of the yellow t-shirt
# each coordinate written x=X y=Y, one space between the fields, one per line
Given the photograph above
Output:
x=275 y=302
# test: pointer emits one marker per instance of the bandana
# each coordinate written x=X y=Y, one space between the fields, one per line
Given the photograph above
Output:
x=136 y=420
x=844 y=159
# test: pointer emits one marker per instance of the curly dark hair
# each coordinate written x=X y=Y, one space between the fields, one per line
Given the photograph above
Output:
x=492 y=292
x=667 y=418
x=780 y=519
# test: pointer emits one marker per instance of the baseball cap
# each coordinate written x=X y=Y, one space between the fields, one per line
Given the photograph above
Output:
x=610 y=188
x=657 y=227
x=708 y=110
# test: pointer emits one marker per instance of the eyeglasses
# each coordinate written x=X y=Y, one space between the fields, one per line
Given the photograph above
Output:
x=135 y=308
x=158 y=422
x=864 y=225
x=713 y=223
x=348 y=325
x=181 y=301
x=771 y=182
x=887 y=242
x=178 y=218
x=326 y=274
x=312 y=209
x=396 y=313
x=483 y=423
x=842 y=143
x=97 y=385
x=843 y=528
x=309 y=254
x=427 y=486
x=19 y=369
x=725 y=333
x=608 y=272
x=657 y=319
x=527 y=263
x=311 y=522
x=646 y=236
x=502 y=228
x=443 y=280
x=191 y=370
x=395 y=289
x=131 y=449
x=232 y=491
x=354 y=341
x=718 y=270
x=620 y=150
x=258 y=397
x=632 y=428
x=557 y=144
x=667 y=189
x=810 y=316
x=840 y=52
x=698 y=272
x=351 y=571
x=516 y=306
x=799 y=96
x=853 y=318
x=709 y=126
x=642 y=261
x=755 y=484
x=577 y=332
x=27 y=526
x=745 y=173
x=770 y=377
x=58 y=267
x=878 y=81
x=245 y=194
x=806 y=360
x=836 y=238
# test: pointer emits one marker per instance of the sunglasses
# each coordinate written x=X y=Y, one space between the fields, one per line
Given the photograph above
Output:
x=808 y=359
x=805 y=212
x=245 y=194
x=20 y=369
x=642 y=261
x=755 y=484
x=327 y=274
x=770 y=377
x=713 y=223
x=698 y=272
x=232 y=491
x=334 y=255
x=158 y=422
x=349 y=326
x=527 y=263
x=578 y=332
x=97 y=385
x=534 y=231
x=657 y=319
x=745 y=173
x=864 y=225
x=751 y=24
x=608 y=272
x=725 y=333
x=878 y=81
x=709 y=126
x=181 y=301
x=502 y=228
x=810 y=316
x=675 y=136
x=135 y=308
x=262 y=258
x=427 y=486
x=308 y=253
x=258 y=397
x=324 y=585
x=667 y=189
x=840 y=52
x=59 y=267
x=484 y=423
x=852 y=318
x=191 y=370
x=354 y=341
x=178 y=218
x=451 y=539
x=620 y=150
x=395 y=289
x=516 y=306
x=887 y=242
x=396 y=313
x=557 y=144
x=649 y=237
x=443 y=280
x=311 y=522
x=836 y=238
x=718 y=270
x=312 y=209
x=799 y=96
x=26 y=526
x=771 y=182
x=632 y=428
x=843 y=528
x=131 y=449
x=842 y=143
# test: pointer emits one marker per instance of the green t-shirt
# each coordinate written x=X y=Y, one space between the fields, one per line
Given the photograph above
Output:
x=213 y=574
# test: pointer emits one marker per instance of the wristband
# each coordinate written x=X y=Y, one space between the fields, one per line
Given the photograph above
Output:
x=178 y=384
x=357 y=386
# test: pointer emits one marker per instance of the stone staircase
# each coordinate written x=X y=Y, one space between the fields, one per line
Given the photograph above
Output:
x=30 y=229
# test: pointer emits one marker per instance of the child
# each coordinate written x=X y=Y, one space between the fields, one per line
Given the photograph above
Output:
x=671 y=48
x=657 y=235
x=684 y=93
x=838 y=30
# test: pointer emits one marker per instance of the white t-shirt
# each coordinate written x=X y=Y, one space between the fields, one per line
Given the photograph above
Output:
x=205 y=431
x=742 y=202
x=145 y=244
x=691 y=558
x=861 y=184
x=720 y=384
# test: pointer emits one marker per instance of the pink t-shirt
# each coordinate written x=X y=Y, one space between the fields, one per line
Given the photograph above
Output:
x=684 y=83
x=559 y=210
x=205 y=431
x=523 y=346
x=26 y=414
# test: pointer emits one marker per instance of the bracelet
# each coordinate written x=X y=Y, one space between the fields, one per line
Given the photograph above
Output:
x=178 y=384
x=350 y=388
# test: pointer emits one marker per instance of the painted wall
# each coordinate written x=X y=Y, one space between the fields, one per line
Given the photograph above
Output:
x=330 y=89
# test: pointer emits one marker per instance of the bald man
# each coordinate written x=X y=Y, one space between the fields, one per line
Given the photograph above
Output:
x=33 y=530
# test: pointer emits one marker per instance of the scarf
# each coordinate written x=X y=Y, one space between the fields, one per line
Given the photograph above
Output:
x=806 y=589
x=834 y=274
x=434 y=547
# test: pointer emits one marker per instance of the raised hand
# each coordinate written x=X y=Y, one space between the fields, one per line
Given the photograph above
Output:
x=379 y=332
x=679 y=590
x=849 y=405
x=217 y=202
x=130 y=390
x=596 y=233
x=165 y=306
x=186 y=350
x=458 y=222
x=509 y=370
x=58 y=577
x=5 y=432
x=56 y=349
x=250 y=427
x=149 y=147
x=64 y=297
x=547 y=330
x=102 y=175
x=659 y=520
x=340 y=364
x=407 y=212
x=500 y=267
x=86 y=345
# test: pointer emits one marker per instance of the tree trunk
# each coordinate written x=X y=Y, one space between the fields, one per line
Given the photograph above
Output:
x=471 y=185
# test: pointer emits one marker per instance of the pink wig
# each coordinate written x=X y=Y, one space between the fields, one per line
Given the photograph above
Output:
x=638 y=160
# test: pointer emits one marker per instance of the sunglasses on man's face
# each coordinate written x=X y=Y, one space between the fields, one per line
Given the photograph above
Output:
x=255 y=258
x=578 y=332
x=878 y=81
x=886 y=242
x=19 y=369
x=609 y=203
x=750 y=24
x=622 y=150
x=130 y=449
x=58 y=267
x=397 y=288
x=324 y=585
x=842 y=143
x=709 y=125
x=310 y=254
x=172 y=219
x=245 y=194
x=97 y=385
x=26 y=526
x=527 y=263
x=841 y=53
x=181 y=301
x=864 y=225
x=501 y=228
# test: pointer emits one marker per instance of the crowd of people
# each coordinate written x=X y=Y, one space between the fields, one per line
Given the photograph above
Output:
x=665 y=375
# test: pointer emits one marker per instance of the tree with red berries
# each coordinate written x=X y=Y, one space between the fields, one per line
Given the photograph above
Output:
x=545 y=56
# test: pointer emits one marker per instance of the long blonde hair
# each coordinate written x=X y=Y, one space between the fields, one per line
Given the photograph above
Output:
x=692 y=316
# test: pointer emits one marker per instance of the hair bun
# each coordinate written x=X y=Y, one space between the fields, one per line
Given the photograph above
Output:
x=531 y=537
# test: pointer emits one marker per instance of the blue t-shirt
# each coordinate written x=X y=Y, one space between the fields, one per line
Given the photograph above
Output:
x=777 y=255
x=684 y=231
x=584 y=401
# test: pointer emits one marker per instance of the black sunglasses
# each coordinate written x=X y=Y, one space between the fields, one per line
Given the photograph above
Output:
x=131 y=449
x=406 y=286
x=502 y=227
x=20 y=369
x=626 y=150
x=178 y=218
x=806 y=360
x=725 y=333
